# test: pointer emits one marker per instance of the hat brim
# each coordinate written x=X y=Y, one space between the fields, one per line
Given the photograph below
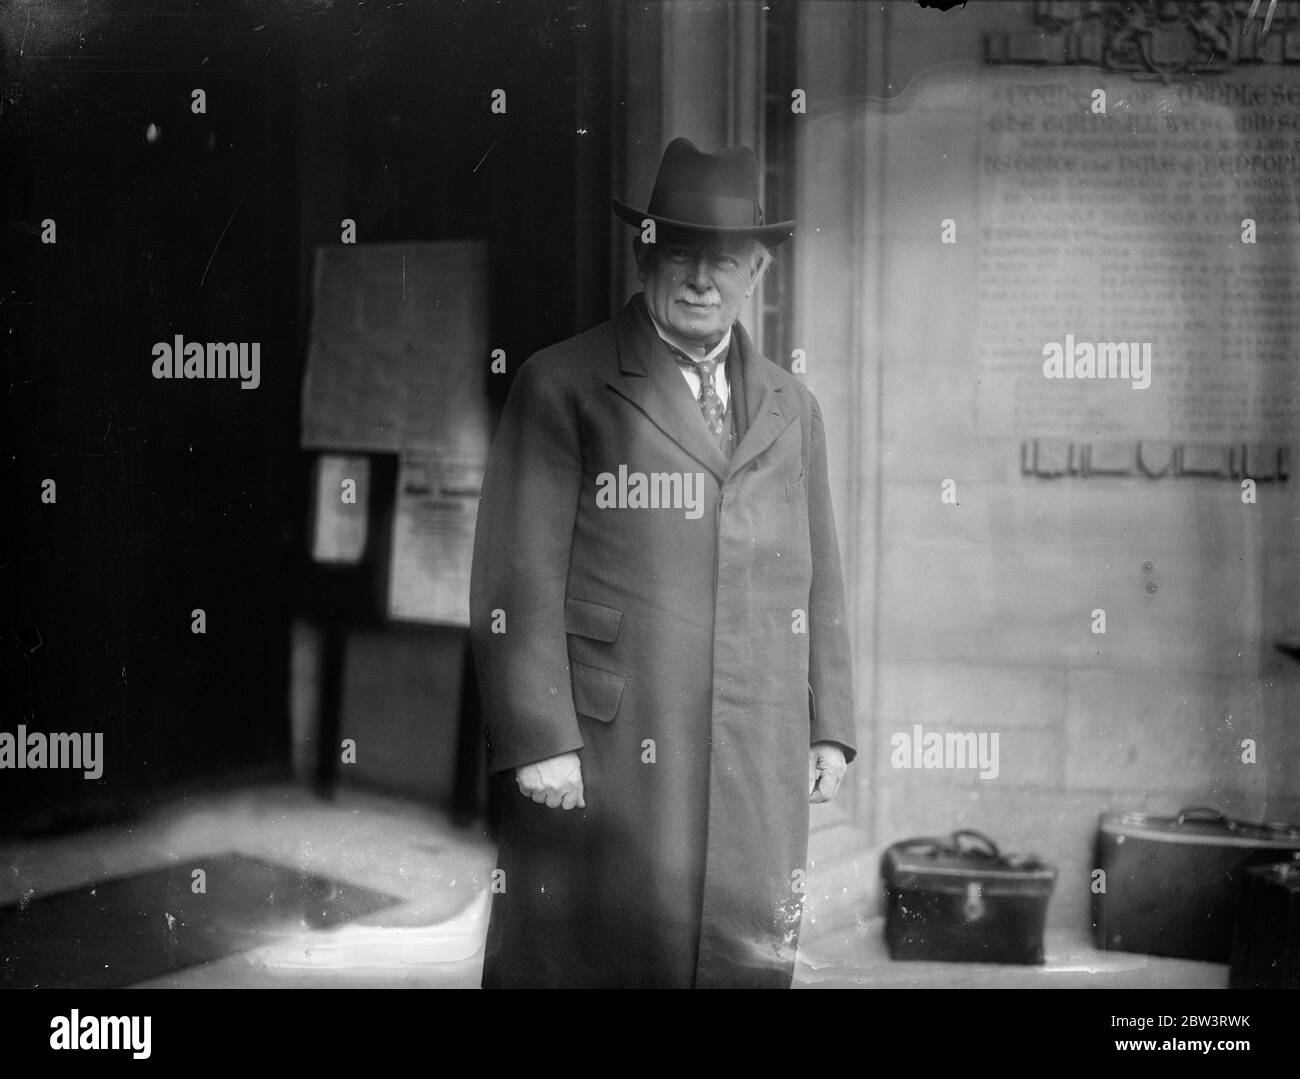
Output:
x=770 y=235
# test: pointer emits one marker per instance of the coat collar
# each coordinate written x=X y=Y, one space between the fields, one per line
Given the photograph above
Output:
x=653 y=384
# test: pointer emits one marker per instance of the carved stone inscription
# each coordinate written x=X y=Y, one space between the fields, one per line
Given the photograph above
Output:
x=1164 y=226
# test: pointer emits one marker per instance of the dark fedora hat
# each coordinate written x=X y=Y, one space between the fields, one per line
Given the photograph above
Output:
x=713 y=193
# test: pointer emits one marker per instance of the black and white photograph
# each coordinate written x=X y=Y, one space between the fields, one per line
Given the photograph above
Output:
x=652 y=494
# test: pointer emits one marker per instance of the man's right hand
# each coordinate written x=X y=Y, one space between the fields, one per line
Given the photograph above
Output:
x=557 y=781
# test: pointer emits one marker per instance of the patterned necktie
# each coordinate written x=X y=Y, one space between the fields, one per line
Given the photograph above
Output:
x=710 y=403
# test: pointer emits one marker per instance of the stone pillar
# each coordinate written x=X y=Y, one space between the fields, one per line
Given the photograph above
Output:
x=690 y=69
x=841 y=56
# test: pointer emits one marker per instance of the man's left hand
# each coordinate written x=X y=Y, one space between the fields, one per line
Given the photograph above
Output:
x=826 y=767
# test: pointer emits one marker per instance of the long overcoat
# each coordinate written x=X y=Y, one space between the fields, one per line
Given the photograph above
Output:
x=685 y=634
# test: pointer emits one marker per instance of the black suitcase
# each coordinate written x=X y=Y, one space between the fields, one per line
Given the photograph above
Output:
x=1266 y=940
x=1170 y=882
x=961 y=900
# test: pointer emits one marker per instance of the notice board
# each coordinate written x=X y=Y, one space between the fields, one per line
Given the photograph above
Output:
x=397 y=363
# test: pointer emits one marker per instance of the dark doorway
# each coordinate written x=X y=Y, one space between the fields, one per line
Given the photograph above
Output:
x=174 y=496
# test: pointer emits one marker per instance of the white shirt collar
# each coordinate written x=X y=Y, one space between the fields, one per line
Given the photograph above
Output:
x=695 y=352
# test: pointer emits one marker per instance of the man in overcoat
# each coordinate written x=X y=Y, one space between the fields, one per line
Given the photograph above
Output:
x=658 y=621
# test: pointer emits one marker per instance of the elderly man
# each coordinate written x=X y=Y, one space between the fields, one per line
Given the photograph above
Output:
x=658 y=621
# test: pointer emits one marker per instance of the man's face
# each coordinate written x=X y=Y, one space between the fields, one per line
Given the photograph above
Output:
x=695 y=285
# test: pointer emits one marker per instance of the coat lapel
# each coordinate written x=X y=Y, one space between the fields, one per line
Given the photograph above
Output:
x=769 y=410
x=654 y=385
x=652 y=382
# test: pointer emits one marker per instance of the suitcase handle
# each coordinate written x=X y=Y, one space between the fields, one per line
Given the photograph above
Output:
x=1207 y=814
x=934 y=846
x=921 y=844
x=981 y=840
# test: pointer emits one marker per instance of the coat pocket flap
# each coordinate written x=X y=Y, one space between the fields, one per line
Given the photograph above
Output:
x=797 y=488
x=596 y=693
x=586 y=619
